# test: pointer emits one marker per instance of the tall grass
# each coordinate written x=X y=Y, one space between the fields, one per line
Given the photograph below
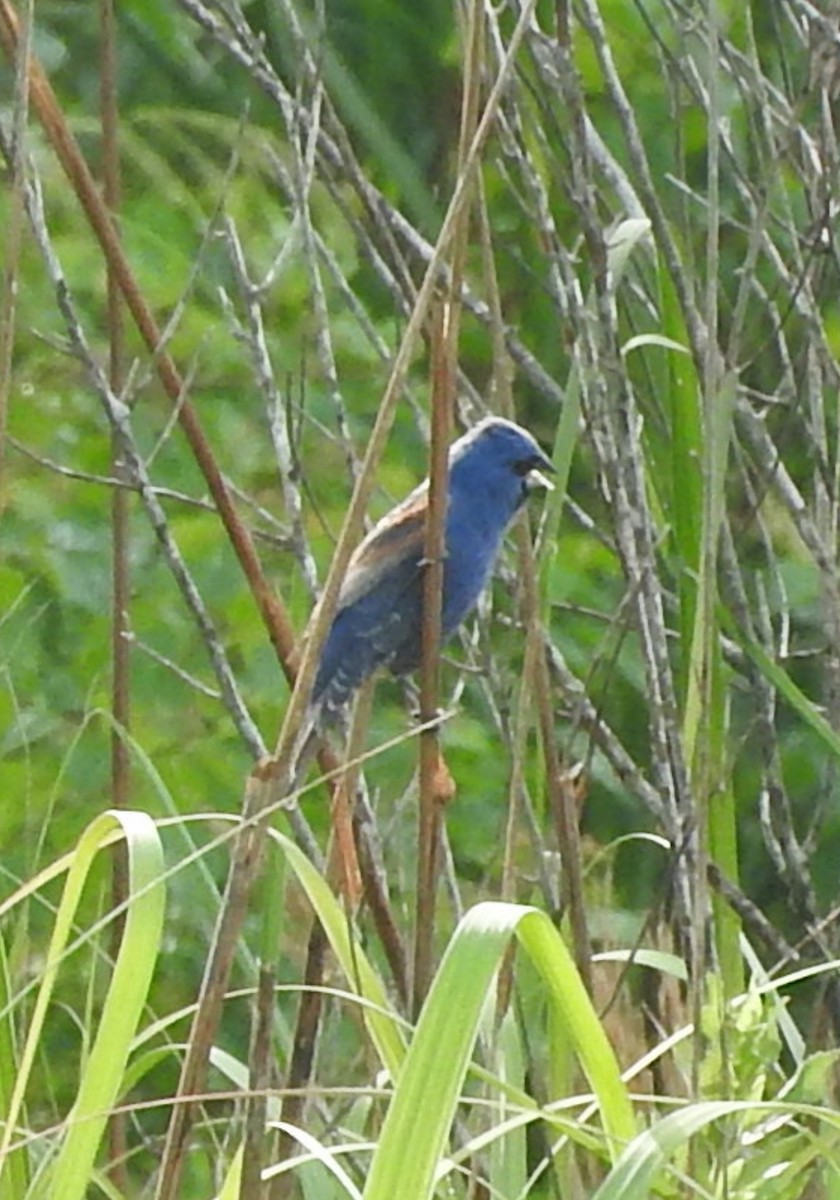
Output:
x=623 y=924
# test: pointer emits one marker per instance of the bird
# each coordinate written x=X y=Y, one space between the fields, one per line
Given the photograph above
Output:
x=378 y=620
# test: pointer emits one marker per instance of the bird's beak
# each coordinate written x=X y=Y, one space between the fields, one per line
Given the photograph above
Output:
x=536 y=479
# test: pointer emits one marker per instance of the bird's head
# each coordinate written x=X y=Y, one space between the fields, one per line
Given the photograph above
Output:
x=501 y=461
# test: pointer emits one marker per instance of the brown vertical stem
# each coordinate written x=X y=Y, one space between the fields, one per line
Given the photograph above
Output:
x=120 y=679
x=302 y=1058
x=119 y=503
x=344 y=873
x=431 y=764
x=251 y=1186
x=436 y=785
x=502 y=393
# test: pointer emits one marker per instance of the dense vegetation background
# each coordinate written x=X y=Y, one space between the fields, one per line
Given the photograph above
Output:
x=650 y=281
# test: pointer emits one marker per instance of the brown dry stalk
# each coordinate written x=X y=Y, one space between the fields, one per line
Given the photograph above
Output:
x=429 y=806
x=436 y=785
x=120 y=581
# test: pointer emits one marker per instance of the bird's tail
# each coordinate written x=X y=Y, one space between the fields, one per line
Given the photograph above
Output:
x=337 y=680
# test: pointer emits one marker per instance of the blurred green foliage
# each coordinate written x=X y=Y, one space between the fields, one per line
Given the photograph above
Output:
x=196 y=131
x=182 y=104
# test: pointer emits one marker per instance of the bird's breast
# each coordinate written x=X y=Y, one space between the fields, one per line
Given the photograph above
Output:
x=471 y=549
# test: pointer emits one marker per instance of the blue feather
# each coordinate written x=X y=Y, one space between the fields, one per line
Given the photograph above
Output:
x=379 y=618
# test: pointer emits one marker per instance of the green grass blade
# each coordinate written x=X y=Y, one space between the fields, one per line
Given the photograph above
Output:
x=635 y=1172
x=103 y=1075
x=706 y=707
x=17 y=1168
x=704 y=641
x=420 y=1115
x=508 y=1155
x=552 y=959
x=68 y=1177
x=383 y=1028
x=784 y=685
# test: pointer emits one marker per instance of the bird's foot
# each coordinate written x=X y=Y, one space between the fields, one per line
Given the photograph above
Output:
x=430 y=722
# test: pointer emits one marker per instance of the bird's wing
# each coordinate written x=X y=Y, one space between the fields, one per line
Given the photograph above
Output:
x=390 y=545
x=379 y=605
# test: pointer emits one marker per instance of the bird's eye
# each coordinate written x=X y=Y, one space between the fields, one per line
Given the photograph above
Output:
x=525 y=465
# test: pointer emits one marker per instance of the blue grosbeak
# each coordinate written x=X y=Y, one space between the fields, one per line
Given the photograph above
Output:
x=379 y=617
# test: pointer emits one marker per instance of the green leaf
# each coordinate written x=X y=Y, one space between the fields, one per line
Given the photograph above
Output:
x=101 y=1081
x=634 y=1173
x=409 y=1155
x=383 y=1026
